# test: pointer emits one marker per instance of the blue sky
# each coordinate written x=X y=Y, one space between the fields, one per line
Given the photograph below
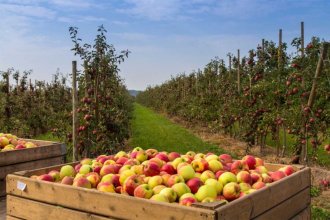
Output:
x=166 y=37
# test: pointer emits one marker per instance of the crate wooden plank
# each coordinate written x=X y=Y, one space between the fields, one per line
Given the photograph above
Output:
x=29 y=209
x=254 y=204
x=109 y=204
x=45 y=150
x=2 y=188
x=30 y=165
x=8 y=217
x=2 y=207
x=303 y=215
x=289 y=208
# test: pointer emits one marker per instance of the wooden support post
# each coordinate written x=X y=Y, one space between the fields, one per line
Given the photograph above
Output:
x=279 y=49
x=238 y=72
x=74 y=111
x=302 y=39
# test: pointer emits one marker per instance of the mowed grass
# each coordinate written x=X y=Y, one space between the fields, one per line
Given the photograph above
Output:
x=151 y=130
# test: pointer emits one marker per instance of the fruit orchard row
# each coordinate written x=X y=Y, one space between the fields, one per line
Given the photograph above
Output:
x=263 y=94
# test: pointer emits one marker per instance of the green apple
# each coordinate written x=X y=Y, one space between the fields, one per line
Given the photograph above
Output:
x=187 y=195
x=169 y=193
x=215 y=184
x=187 y=172
x=180 y=189
x=207 y=174
x=227 y=177
x=215 y=165
x=155 y=181
x=205 y=192
x=67 y=170
x=159 y=198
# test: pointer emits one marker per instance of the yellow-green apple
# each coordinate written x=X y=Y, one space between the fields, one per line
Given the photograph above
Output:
x=187 y=201
x=208 y=199
x=244 y=177
x=8 y=147
x=67 y=170
x=277 y=175
x=227 y=177
x=250 y=161
x=124 y=167
x=162 y=156
x=143 y=191
x=168 y=168
x=165 y=177
x=108 y=162
x=151 y=169
x=258 y=185
x=82 y=182
x=138 y=169
x=45 y=177
x=169 y=193
x=199 y=156
x=181 y=165
x=111 y=178
x=239 y=165
x=84 y=169
x=112 y=168
x=158 y=188
x=191 y=154
x=121 y=154
x=94 y=178
x=160 y=198
x=123 y=176
x=4 y=141
x=259 y=162
x=177 y=161
x=173 y=155
x=194 y=184
x=141 y=156
x=187 y=195
x=215 y=184
x=131 y=183
x=225 y=158
x=206 y=191
x=207 y=174
x=86 y=161
x=187 y=172
x=200 y=165
x=55 y=174
x=176 y=178
x=245 y=187
x=106 y=187
x=251 y=191
x=215 y=165
x=231 y=191
x=198 y=175
x=261 y=169
x=155 y=181
x=151 y=153
x=136 y=149
x=132 y=162
x=67 y=180
x=180 y=189
x=121 y=160
x=30 y=144
x=187 y=158
x=288 y=170
x=211 y=157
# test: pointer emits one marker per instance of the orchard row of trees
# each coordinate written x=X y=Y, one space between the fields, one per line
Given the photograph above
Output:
x=103 y=105
x=266 y=93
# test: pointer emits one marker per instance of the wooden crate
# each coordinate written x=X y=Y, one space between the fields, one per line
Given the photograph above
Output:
x=288 y=198
x=46 y=154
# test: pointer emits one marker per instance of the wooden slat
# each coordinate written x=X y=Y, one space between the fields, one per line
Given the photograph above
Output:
x=289 y=208
x=303 y=215
x=2 y=188
x=30 y=165
x=109 y=204
x=8 y=217
x=254 y=204
x=29 y=209
x=43 y=170
x=45 y=150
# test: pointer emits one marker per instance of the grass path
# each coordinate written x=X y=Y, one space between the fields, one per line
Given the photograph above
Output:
x=151 y=130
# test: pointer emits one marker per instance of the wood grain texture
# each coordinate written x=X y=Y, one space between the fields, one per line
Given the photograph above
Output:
x=109 y=204
x=303 y=215
x=2 y=188
x=8 y=217
x=32 y=210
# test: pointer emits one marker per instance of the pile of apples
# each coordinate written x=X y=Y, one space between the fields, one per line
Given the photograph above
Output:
x=170 y=177
x=10 y=142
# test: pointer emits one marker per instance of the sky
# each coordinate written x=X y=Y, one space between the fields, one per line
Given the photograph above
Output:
x=165 y=37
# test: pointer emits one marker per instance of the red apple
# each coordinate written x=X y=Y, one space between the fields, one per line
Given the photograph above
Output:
x=200 y=165
x=151 y=169
x=244 y=177
x=288 y=170
x=151 y=153
x=277 y=175
x=168 y=168
x=45 y=177
x=250 y=161
x=231 y=191
x=194 y=184
x=67 y=180
x=225 y=158
x=258 y=185
x=143 y=191
x=173 y=155
x=106 y=187
x=239 y=165
x=162 y=156
x=131 y=183
x=174 y=179
x=187 y=201
x=82 y=182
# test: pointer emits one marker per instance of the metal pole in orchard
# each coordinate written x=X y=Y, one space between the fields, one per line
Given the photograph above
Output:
x=74 y=112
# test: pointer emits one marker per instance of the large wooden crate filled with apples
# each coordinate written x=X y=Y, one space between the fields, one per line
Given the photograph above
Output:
x=23 y=154
x=149 y=185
